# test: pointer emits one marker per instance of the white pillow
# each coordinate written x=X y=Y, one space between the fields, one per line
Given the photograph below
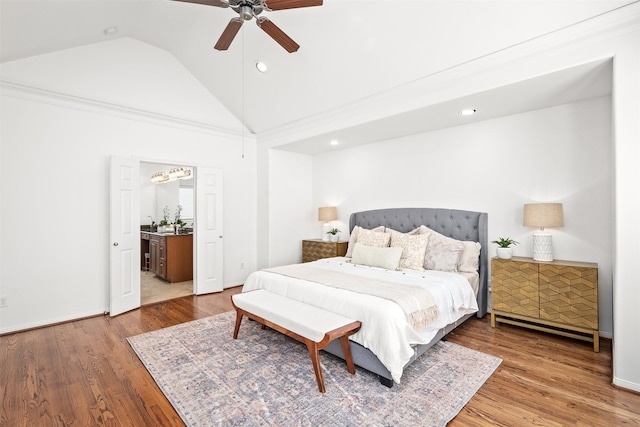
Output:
x=414 y=248
x=372 y=256
x=470 y=257
x=373 y=238
x=353 y=238
x=443 y=252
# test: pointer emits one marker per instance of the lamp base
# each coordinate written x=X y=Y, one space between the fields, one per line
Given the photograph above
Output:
x=325 y=232
x=542 y=247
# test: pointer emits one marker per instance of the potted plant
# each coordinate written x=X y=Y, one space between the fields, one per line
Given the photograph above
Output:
x=504 y=250
x=164 y=223
x=334 y=234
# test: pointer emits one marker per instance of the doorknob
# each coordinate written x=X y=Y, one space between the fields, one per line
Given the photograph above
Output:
x=115 y=243
x=220 y=236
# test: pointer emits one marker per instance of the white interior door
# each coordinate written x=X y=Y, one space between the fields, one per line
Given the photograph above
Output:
x=125 y=235
x=208 y=231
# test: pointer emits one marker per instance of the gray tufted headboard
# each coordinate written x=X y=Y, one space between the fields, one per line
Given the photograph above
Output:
x=457 y=224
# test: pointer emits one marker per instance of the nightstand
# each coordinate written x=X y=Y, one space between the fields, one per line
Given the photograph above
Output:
x=560 y=297
x=314 y=249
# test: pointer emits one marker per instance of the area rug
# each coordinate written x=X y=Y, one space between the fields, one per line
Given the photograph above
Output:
x=266 y=379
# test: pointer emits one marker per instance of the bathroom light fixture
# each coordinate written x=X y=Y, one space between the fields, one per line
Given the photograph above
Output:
x=262 y=67
x=175 y=173
x=179 y=173
x=334 y=142
x=468 y=111
x=159 y=177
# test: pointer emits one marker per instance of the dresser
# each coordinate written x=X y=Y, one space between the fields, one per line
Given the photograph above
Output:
x=314 y=249
x=559 y=297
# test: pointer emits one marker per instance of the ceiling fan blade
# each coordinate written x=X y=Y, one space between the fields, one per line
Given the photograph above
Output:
x=290 y=4
x=229 y=34
x=277 y=34
x=217 y=3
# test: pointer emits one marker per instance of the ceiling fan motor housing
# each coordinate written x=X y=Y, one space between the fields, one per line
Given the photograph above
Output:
x=246 y=13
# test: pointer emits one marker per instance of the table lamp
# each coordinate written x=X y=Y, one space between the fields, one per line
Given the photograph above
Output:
x=543 y=215
x=326 y=215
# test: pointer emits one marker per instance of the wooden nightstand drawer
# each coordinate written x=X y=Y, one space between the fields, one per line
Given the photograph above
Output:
x=316 y=249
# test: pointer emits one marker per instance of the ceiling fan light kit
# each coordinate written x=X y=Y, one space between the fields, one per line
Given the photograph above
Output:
x=249 y=9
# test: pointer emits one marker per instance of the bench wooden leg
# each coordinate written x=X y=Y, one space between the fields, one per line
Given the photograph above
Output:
x=238 y=321
x=315 y=359
x=346 y=350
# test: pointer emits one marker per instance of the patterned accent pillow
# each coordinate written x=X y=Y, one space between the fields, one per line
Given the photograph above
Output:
x=353 y=238
x=470 y=257
x=414 y=248
x=443 y=252
x=373 y=238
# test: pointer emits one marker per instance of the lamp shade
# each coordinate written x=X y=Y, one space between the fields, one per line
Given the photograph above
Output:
x=327 y=214
x=543 y=215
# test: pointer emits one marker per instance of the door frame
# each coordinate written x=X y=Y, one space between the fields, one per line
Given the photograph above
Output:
x=135 y=223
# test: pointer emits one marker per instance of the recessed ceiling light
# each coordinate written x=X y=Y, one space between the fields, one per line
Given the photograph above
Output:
x=261 y=66
x=334 y=142
x=109 y=31
x=468 y=111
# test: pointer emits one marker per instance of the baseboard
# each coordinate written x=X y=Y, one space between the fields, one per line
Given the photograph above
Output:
x=51 y=322
x=232 y=285
x=628 y=385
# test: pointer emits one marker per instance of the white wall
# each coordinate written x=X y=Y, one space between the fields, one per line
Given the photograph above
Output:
x=55 y=256
x=561 y=154
x=55 y=149
x=626 y=295
x=291 y=214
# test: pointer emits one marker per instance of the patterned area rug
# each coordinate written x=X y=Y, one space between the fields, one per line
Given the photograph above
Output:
x=266 y=379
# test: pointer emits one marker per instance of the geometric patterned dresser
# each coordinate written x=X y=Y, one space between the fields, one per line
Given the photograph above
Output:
x=560 y=297
x=314 y=249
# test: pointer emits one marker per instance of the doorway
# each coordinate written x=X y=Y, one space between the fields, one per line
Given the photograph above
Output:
x=126 y=235
x=166 y=251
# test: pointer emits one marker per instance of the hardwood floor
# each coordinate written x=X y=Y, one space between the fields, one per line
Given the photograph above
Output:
x=85 y=373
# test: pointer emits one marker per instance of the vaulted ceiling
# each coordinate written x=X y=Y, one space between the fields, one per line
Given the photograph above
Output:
x=350 y=49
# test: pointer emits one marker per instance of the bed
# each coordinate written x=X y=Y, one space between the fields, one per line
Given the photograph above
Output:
x=385 y=345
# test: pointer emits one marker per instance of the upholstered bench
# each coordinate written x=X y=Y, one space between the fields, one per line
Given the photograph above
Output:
x=308 y=324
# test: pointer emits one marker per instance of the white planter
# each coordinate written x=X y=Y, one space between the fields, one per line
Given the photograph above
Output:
x=504 y=253
x=335 y=237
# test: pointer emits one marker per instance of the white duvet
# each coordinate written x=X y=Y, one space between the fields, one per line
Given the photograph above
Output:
x=384 y=330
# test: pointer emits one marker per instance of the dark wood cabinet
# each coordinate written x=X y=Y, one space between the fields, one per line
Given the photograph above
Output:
x=145 y=241
x=154 y=252
x=177 y=258
x=172 y=256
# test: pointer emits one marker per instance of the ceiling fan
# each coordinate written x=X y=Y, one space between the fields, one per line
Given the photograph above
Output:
x=249 y=9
